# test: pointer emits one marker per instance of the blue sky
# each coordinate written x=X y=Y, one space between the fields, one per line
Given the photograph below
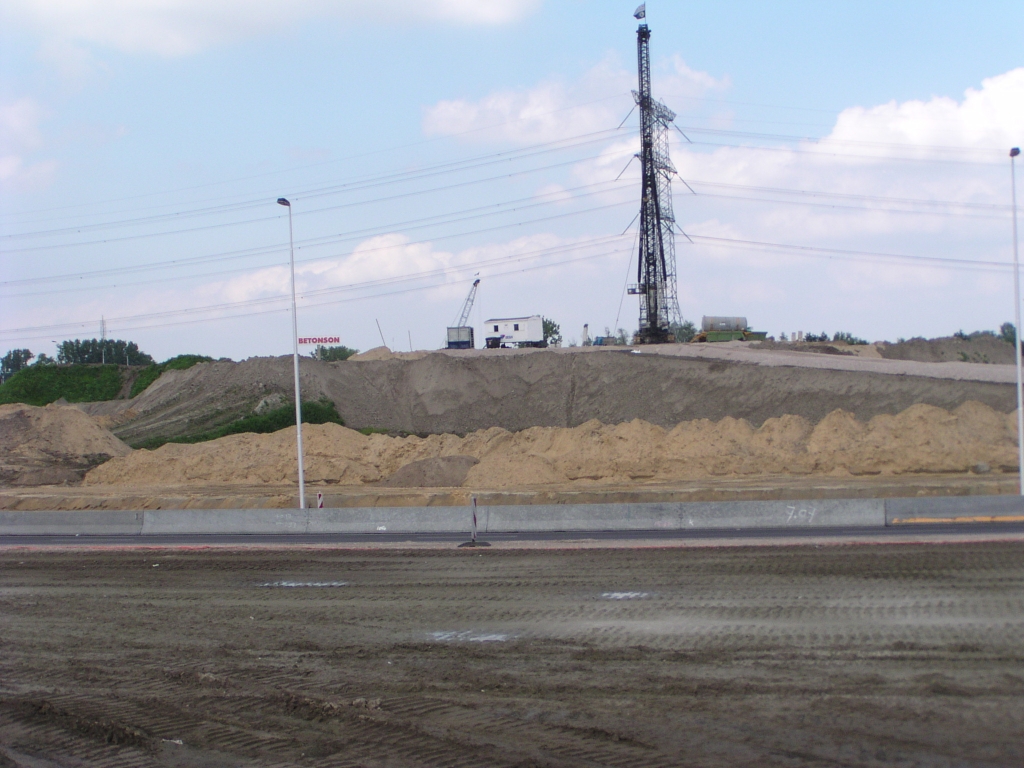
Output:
x=142 y=145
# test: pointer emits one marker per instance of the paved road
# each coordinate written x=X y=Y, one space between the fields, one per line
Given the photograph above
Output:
x=920 y=530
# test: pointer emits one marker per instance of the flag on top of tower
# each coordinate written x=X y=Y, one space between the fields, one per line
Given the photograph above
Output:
x=640 y=12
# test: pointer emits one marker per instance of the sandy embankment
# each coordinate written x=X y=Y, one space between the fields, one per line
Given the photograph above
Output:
x=921 y=439
x=51 y=445
x=462 y=391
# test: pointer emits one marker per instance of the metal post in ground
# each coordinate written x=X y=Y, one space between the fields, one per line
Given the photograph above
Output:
x=295 y=358
x=473 y=541
x=1016 y=319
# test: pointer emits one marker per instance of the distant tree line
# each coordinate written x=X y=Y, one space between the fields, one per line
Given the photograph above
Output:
x=849 y=338
x=93 y=351
x=77 y=352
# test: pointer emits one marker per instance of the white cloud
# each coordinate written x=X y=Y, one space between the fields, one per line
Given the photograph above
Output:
x=989 y=118
x=895 y=150
x=180 y=27
x=19 y=125
x=394 y=256
x=555 y=109
x=19 y=137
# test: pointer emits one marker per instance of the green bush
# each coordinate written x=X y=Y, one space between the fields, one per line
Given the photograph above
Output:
x=849 y=338
x=333 y=354
x=319 y=412
x=42 y=384
x=684 y=331
x=182 y=362
x=152 y=373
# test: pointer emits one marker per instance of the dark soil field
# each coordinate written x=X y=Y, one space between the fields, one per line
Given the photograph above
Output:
x=905 y=655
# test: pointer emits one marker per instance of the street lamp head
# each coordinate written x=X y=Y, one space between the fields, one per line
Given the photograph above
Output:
x=283 y=201
x=1015 y=151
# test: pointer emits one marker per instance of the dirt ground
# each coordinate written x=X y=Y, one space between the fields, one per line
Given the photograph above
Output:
x=462 y=391
x=905 y=655
x=983 y=348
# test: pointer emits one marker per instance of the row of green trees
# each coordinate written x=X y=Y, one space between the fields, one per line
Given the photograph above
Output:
x=96 y=351
x=77 y=352
x=120 y=352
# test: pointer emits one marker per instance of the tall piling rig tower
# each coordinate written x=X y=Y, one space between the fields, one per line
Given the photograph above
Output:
x=656 y=269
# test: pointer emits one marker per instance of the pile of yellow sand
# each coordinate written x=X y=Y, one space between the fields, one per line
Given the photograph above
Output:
x=48 y=445
x=383 y=353
x=27 y=430
x=920 y=439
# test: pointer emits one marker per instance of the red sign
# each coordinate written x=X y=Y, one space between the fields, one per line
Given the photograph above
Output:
x=319 y=340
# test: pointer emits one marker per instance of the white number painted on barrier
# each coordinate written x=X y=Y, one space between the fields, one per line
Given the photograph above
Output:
x=801 y=515
x=382 y=527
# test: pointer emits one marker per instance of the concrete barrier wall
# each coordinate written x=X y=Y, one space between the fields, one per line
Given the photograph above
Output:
x=954 y=509
x=491 y=519
x=669 y=516
x=226 y=521
x=684 y=515
x=86 y=523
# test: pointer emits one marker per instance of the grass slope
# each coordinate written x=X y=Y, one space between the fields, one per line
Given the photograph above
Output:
x=152 y=373
x=42 y=384
x=320 y=412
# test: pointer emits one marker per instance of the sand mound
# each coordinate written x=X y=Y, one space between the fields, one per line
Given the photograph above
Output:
x=438 y=472
x=383 y=353
x=920 y=439
x=377 y=353
x=55 y=444
x=333 y=454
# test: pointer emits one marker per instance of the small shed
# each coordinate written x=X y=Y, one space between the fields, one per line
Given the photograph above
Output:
x=520 y=331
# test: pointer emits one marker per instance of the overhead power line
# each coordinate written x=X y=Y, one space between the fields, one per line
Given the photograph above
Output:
x=126 y=322
x=235 y=271
x=841 y=253
x=347 y=158
x=519 y=205
x=348 y=187
x=826 y=140
x=307 y=296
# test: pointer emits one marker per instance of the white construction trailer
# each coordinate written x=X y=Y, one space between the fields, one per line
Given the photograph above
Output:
x=514 y=331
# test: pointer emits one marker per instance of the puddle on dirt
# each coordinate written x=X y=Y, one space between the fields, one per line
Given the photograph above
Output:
x=293 y=584
x=624 y=595
x=467 y=636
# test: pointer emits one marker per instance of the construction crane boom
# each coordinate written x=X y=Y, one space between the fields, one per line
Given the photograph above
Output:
x=468 y=306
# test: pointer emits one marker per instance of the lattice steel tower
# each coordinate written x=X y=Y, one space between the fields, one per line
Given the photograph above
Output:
x=656 y=272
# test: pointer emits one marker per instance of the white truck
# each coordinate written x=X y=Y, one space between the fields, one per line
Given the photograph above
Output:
x=514 y=331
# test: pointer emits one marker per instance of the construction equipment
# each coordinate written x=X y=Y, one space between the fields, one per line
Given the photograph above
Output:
x=727 y=329
x=656 y=272
x=460 y=335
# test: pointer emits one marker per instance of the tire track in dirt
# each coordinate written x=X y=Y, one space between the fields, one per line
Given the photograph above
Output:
x=801 y=656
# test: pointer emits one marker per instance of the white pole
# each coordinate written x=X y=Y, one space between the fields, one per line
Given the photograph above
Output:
x=1016 y=309
x=295 y=358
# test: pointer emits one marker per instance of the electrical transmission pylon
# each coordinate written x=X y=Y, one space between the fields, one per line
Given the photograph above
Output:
x=656 y=272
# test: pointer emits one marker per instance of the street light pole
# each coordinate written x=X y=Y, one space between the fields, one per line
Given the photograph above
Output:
x=1016 y=309
x=295 y=358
